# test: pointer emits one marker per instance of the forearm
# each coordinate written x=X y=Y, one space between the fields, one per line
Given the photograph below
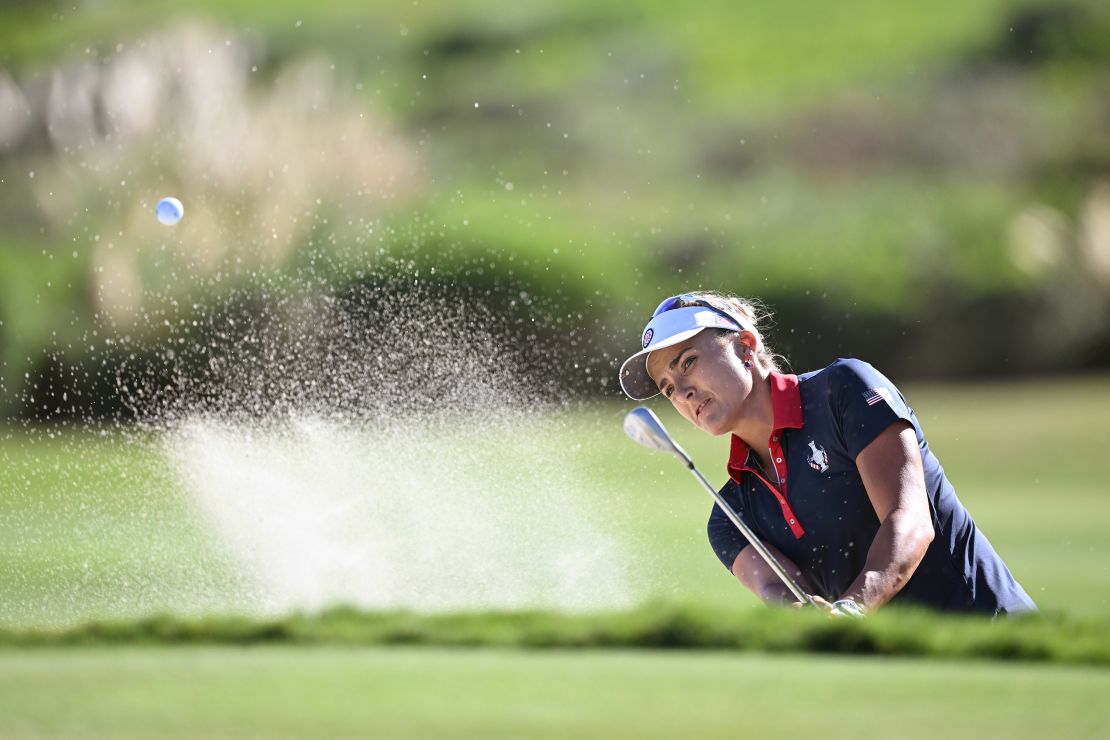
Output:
x=762 y=581
x=776 y=594
x=894 y=555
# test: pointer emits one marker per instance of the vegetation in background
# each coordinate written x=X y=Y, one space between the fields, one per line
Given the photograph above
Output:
x=891 y=180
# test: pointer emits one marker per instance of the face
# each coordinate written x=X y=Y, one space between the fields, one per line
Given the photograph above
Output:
x=705 y=379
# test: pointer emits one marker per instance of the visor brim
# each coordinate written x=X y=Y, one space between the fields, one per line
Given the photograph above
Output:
x=636 y=383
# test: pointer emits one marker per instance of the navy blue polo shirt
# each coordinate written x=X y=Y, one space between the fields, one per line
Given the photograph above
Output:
x=820 y=516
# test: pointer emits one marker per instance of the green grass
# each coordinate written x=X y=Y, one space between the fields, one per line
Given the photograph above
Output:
x=282 y=692
x=98 y=527
x=1027 y=458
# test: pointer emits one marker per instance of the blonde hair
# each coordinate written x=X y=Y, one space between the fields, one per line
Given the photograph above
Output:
x=752 y=314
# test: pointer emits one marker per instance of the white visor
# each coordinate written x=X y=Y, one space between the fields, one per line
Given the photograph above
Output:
x=667 y=329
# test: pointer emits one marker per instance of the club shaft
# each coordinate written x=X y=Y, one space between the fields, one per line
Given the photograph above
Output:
x=753 y=540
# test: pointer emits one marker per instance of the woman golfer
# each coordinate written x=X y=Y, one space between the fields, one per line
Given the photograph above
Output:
x=830 y=469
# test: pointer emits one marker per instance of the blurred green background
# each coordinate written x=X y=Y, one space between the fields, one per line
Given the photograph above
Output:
x=923 y=185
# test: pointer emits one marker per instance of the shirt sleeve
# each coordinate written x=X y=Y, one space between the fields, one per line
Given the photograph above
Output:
x=724 y=537
x=865 y=403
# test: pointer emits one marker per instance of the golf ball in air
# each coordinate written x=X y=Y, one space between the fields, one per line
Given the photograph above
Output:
x=170 y=211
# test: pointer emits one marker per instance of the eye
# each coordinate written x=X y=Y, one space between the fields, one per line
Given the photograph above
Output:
x=688 y=362
x=668 y=391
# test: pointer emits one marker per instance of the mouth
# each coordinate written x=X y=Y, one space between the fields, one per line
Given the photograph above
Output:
x=700 y=408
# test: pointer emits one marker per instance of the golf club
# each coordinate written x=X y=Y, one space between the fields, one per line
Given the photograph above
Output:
x=642 y=425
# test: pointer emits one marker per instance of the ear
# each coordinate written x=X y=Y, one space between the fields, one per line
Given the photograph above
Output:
x=744 y=342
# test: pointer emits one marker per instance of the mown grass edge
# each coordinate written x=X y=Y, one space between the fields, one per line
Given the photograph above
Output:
x=895 y=632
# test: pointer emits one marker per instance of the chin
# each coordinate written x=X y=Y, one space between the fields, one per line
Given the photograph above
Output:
x=711 y=426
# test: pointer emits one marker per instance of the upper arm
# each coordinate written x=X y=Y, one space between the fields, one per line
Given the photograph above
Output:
x=879 y=432
x=892 y=472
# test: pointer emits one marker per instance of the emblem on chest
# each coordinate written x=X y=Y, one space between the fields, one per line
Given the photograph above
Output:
x=818 y=459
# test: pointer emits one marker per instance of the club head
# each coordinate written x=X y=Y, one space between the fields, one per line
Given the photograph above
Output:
x=644 y=427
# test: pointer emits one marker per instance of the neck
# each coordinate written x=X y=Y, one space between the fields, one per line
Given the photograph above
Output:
x=759 y=420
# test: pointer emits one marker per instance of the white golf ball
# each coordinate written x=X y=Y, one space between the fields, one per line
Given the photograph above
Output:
x=170 y=211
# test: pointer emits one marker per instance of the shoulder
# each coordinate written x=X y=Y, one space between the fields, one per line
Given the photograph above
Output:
x=839 y=372
x=845 y=371
x=847 y=367
x=847 y=383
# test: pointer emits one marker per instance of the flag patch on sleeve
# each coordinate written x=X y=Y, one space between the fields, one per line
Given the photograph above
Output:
x=874 y=395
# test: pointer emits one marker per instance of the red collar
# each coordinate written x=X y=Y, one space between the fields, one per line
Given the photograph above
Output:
x=786 y=408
